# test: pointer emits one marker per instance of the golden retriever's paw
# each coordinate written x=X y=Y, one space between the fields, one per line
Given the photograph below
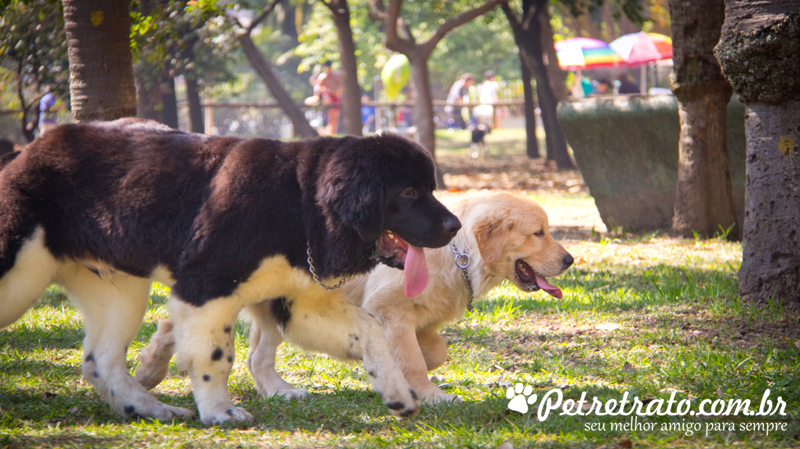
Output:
x=231 y=414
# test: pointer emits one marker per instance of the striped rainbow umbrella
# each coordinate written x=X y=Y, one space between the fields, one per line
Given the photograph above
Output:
x=583 y=53
x=641 y=48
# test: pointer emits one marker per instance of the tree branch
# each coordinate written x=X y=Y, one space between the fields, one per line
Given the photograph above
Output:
x=454 y=22
x=264 y=13
x=377 y=12
x=392 y=39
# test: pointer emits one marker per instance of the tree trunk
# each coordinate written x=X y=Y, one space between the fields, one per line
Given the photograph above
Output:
x=528 y=36
x=703 y=201
x=351 y=97
x=196 y=124
x=558 y=77
x=301 y=126
x=532 y=143
x=170 y=101
x=101 y=71
x=759 y=53
x=423 y=109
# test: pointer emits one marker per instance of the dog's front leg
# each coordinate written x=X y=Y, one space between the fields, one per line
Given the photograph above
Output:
x=408 y=352
x=326 y=322
x=204 y=342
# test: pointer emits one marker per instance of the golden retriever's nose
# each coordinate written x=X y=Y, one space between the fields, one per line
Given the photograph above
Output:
x=567 y=261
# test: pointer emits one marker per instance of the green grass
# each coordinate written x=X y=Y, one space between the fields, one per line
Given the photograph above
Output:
x=451 y=142
x=648 y=315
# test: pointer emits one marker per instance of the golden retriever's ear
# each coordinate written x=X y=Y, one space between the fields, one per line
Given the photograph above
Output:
x=490 y=233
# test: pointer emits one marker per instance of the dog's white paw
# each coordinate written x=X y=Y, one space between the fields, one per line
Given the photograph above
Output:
x=221 y=416
x=150 y=407
x=402 y=402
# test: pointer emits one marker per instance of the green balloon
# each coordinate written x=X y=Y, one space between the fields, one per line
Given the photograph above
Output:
x=395 y=74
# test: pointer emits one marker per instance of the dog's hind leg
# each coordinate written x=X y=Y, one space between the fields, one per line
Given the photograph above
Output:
x=154 y=358
x=328 y=323
x=264 y=341
x=32 y=269
x=113 y=308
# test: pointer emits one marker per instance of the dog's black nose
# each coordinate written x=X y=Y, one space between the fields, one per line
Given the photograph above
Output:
x=451 y=224
x=568 y=260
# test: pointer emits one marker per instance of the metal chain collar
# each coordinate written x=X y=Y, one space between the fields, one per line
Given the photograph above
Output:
x=313 y=272
x=462 y=261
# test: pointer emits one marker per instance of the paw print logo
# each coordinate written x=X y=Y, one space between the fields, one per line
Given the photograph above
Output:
x=517 y=395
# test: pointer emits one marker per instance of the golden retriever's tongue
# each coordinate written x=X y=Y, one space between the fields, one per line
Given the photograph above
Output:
x=416 y=271
x=551 y=289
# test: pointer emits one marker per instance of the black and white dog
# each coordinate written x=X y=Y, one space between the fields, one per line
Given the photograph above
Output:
x=478 y=142
x=105 y=209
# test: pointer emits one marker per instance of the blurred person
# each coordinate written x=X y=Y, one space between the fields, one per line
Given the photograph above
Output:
x=458 y=91
x=329 y=88
x=488 y=99
x=626 y=85
x=367 y=115
x=47 y=112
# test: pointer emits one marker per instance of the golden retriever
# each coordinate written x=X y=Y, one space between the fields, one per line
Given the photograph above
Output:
x=504 y=236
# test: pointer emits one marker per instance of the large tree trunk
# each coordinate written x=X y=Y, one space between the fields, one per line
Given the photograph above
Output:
x=532 y=143
x=703 y=201
x=423 y=109
x=760 y=55
x=301 y=126
x=101 y=71
x=351 y=97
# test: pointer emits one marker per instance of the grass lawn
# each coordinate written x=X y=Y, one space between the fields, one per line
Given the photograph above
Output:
x=647 y=315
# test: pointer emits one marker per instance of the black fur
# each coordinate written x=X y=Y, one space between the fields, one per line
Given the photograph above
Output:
x=281 y=310
x=137 y=195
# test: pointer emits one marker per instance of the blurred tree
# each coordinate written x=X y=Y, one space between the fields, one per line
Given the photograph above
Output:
x=528 y=35
x=264 y=69
x=101 y=71
x=33 y=50
x=351 y=97
x=703 y=201
x=400 y=38
x=759 y=52
x=172 y=38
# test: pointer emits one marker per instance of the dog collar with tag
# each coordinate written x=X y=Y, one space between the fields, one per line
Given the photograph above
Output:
x=462 y=261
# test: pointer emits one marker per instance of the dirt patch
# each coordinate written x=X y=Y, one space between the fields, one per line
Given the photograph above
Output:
x=508 y=172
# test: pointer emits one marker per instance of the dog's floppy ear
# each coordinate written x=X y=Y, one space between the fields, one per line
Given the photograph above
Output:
x=491 y=232
x=356 y=196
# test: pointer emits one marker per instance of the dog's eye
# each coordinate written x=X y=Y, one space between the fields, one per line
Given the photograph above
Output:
x=539 y=233
x=409 y=191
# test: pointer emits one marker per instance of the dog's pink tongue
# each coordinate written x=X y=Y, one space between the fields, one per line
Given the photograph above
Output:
x=416 y=271
x=548 y=287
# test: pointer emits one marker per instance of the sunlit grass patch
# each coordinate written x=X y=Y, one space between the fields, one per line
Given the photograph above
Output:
x=648 y=315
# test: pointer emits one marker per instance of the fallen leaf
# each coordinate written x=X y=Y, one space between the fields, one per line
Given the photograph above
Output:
x=628 y=368
x=48 y=394
x=626 y=444
x=720 y=393
x=607 y=326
